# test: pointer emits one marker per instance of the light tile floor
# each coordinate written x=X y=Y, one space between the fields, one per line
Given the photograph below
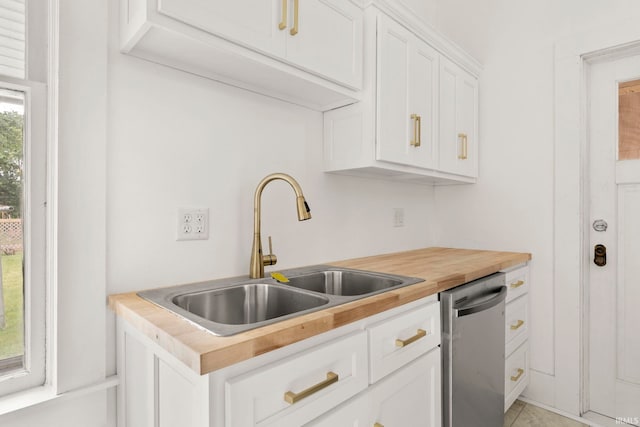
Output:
x=524 y=415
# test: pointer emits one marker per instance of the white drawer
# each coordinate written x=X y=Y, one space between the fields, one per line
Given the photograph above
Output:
x=257 y=398
x=516 y=374
x=395 y=342
x=516 y=323
x=517 y=282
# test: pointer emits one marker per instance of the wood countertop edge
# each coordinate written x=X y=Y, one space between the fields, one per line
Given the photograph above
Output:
x=204 y=352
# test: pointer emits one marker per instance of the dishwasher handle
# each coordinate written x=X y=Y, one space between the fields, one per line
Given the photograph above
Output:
x=464 y=310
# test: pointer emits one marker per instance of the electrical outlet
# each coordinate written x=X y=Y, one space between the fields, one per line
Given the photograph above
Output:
x=193 y=224
x=398 y=217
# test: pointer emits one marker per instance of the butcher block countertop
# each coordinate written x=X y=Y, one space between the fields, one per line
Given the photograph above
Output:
x=441 y=269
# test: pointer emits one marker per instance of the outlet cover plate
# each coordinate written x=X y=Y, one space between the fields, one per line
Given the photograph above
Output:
x=398 y=217
x=193 y=224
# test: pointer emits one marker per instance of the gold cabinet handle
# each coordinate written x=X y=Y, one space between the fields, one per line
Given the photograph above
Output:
x=403 y=343
x=294 y=30
x=463 y=151
x=517 y=325
x=283 y=23
x=291 y=397
x=417 y=130
x=517 y=284
x=517 y=377
x=378 y=425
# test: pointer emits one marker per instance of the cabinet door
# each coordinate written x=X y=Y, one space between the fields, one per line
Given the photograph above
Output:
x=423 y=89
x=410 y=397
x=353 y=413
x=298 y=389
x=253 y=23
x=328 y=40
x=419 y=327
x=407 y=84
x=458 y=120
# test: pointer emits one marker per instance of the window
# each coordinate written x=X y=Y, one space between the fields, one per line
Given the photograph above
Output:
x=628 y=123
x=11 y=231
x=22 y=194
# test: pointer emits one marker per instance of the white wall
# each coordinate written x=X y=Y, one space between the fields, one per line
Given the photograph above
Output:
x=179 y=140
x=83 y=411
x=511 y=207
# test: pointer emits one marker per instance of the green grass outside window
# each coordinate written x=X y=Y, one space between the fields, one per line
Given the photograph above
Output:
x=12 y=336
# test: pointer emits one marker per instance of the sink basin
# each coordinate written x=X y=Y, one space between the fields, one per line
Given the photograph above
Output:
x=246 y=304
x=344 y=282
x=230 y=306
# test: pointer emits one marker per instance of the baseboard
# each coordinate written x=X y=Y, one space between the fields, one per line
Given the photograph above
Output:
x=589 y=422
x=602 y=420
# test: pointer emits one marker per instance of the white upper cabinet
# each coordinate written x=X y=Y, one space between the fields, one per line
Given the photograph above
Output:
x=247 y=22
x=328 y=40
x=458 y=120
x=417 y=121
x=407 y=89
x=307 y=52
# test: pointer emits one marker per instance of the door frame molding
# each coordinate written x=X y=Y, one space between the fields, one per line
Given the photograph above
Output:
x=571 y=255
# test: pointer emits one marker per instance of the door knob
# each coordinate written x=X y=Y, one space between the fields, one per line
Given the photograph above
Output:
x=600 y=255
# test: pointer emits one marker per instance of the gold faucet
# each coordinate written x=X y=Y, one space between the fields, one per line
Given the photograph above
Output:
x=258 y=261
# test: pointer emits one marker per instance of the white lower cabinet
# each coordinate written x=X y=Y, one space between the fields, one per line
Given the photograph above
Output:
x=516 y=374
x=300 y=388
x=395 y=342
x=516 y=334
x=409 y=397
x=384 y=369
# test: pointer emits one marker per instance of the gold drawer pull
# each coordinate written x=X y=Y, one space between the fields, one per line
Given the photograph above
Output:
x=294 y=30
x=517 y=325
x=403 y=343
x=291 y=397
x=417 y=130
x=517 y=284
x=283 y=23
x=378 y=425
x=463 y=152
x=517 y=377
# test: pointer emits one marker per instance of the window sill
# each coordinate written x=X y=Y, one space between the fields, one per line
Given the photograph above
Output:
x=43 y=394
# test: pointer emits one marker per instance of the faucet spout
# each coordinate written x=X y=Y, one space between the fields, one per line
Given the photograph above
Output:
x=258 y=260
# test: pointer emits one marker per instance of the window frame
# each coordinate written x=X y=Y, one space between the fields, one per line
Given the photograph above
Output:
x=36 y=210
x=34 y=206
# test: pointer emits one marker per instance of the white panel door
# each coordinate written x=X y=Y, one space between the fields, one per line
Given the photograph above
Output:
x=614 y=289
x=177 y=399
x=407 y=101
x=423 y=90
x=448 y=142
x=406 y=398
x=393 y=117
x=327 y=39
x=467 y=119
x=353 y=413
x=410 y=397
x=458 y=115
x=253 y=23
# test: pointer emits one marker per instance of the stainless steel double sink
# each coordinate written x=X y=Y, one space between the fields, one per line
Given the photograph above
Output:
x=230 y=306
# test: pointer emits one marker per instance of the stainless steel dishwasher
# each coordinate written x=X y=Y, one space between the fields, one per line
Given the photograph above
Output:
x=473 y=353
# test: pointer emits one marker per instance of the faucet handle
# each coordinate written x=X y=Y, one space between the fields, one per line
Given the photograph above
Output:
x=269 y=259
